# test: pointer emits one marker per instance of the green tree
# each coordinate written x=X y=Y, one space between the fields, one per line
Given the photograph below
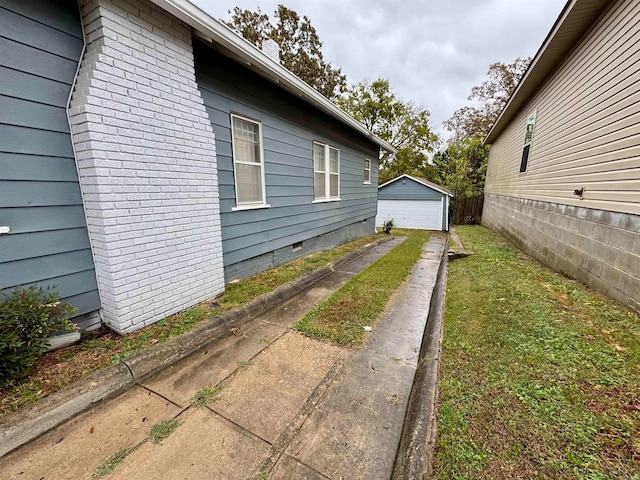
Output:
x=402 y=124
x=300 y=46
x=492 y=95
x=462 y=166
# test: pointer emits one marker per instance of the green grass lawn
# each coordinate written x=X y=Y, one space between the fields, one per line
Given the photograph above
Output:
x=540 y=377
x=100 y=349
x=360 y=301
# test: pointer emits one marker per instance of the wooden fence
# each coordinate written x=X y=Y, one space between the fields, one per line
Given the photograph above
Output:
x=468 y=210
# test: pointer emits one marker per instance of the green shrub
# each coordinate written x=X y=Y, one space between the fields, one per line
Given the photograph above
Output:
x=27 y=317
x=388 y=225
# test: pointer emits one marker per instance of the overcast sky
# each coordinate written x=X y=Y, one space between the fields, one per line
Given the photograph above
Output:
x=433 y=51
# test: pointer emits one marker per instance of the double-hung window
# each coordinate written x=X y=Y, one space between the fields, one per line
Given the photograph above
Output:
x=367 y=171
x=248 y=162
x=326 y=172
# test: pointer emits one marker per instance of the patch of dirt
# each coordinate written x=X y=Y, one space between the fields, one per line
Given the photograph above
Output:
x=602 y=398
x=463 y=356
x=56 y=369
x=617 y=447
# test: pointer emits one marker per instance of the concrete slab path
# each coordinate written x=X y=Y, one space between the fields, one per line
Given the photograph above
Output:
x=282 y=405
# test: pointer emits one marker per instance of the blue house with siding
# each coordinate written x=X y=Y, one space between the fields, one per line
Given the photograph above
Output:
x=149 y=155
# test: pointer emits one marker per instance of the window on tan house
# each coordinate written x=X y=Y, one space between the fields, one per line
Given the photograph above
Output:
x=248 y=161
x=528 y=138
x=326 y=172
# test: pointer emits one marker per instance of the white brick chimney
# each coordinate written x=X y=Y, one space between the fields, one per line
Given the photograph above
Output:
x=271 y=49
x=146 y=155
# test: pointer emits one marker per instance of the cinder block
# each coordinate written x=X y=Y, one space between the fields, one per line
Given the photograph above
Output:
x=599 y=248
x=631 y=223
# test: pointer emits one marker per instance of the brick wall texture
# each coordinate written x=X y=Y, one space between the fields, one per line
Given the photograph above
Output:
x=596 y=247
x=147 y=163
x=272 y=259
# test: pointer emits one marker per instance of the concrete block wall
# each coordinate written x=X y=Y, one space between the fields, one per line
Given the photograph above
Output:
x=146 y=157
x=277 y=257
x=596 y=247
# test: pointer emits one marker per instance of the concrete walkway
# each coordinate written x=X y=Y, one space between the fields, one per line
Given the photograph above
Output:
x=285 y=406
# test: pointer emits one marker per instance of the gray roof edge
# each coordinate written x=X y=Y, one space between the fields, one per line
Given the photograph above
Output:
x=574 y=20
x=421 y=181
x=214 y=31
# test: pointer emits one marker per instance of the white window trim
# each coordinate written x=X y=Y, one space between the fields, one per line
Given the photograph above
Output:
x=327 y=175
x=248 y=205
x=367 y=182
x=531 y=119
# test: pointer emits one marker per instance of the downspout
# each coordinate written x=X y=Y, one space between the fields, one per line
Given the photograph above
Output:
x=446 y=213
x=73 y=147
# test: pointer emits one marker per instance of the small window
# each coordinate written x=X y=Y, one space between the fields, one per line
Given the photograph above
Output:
x=528 y=138
x=326 y=172
x=248 y=161
x=367 y=170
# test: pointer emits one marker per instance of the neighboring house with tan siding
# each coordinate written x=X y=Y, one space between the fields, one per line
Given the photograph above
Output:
x=563 y=180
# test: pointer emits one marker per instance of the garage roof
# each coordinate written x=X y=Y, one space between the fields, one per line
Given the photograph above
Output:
x=421 y=180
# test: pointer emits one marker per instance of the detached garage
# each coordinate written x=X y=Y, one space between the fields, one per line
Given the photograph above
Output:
x=413 y=202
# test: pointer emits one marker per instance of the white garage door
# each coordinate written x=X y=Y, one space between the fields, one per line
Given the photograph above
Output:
x=423 y=214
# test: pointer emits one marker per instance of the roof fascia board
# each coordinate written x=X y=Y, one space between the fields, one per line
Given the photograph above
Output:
x=406 y=175
x=214 y=31
x=392 y=180
x=433 y=186
x=535 y=75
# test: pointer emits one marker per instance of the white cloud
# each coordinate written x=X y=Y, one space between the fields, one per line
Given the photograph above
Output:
x=433 y=51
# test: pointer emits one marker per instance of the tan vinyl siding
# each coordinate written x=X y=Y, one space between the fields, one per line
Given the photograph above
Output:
x=587 y=131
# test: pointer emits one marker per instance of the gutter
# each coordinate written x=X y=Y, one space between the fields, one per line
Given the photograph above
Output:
x=214 y=31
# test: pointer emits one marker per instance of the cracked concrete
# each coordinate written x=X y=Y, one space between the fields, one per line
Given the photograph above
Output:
x=288 y=406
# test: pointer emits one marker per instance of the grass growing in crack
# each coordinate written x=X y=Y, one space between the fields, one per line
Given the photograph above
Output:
x=540 y=375
x=206 y=396
x=243 y=363
x=102 y=348
x=109 y=465
x=157 y=433
x=360 y=301
x=162 y=430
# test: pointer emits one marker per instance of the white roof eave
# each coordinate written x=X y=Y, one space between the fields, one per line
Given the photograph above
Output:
x=214 y=31
x=573 y=21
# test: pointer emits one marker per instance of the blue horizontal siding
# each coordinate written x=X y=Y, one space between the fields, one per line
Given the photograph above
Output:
x=15 y=166
x=42 y=219
x=32 y=141
x=38 y=194
x=40 y=200
x=14 y=83
x=40 y=244
x=85 y=302
x=408 y=189
x=289 y=128
x=61 y=15
x=34 y=61
x=25 y=113
x=43 y=37
x=41 y=269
